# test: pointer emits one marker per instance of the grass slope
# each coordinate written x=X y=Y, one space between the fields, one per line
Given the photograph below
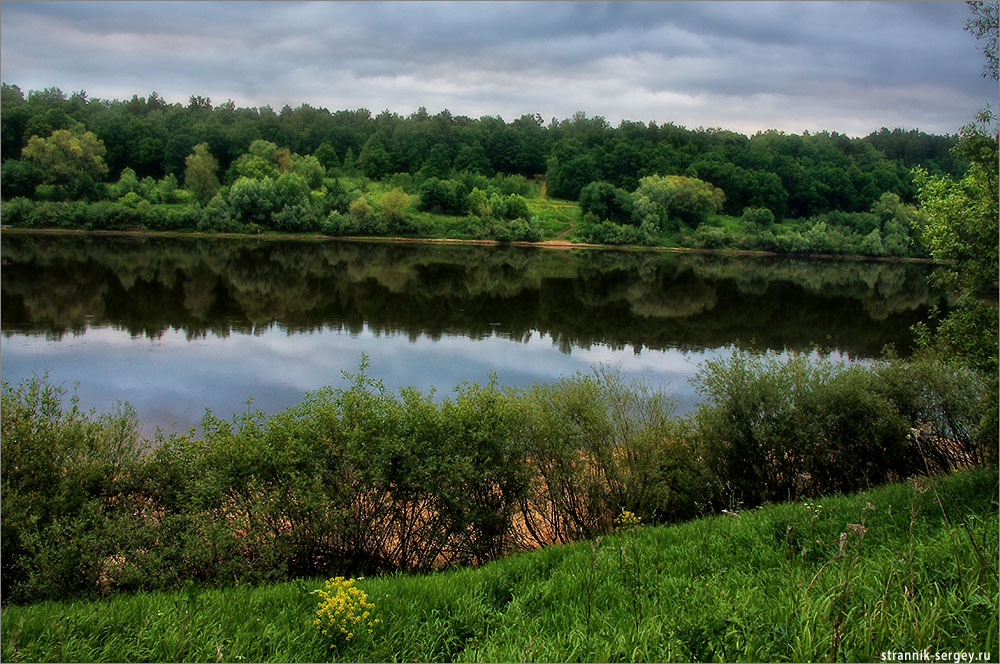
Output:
x=906 y=567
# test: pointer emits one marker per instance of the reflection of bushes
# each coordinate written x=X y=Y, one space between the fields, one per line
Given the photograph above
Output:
x=657 y=300
x=362 y=480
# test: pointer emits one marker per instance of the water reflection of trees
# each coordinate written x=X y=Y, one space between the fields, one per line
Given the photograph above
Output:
x=59 y=285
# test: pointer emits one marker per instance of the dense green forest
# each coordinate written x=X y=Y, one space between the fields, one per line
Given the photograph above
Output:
x=71 y=161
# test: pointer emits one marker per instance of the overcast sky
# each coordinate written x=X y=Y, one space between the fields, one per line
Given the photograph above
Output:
x=851 y=67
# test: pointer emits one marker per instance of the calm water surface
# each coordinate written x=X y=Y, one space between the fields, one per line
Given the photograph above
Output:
x=173 y=326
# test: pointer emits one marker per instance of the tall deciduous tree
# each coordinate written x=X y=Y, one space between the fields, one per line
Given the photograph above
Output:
x=983 y=25
x=662 y=198
x=67 y=155
x=393 y=205
x=199 y=174
x=606 y=201
x=19 y=178
x=472 y=158
x=963 y=222
x=374 y=160
x=961 y=232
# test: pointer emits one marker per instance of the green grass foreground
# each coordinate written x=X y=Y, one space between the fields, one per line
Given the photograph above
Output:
x=906 y=567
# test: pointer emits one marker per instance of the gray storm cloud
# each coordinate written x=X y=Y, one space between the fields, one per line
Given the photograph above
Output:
x=844 y=66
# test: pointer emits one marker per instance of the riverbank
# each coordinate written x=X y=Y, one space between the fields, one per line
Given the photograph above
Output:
x=486 y=471
x=542 y=244
x=905 y=567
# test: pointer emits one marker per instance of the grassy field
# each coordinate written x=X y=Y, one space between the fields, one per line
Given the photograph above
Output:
x=558 y=217
x=907 y=567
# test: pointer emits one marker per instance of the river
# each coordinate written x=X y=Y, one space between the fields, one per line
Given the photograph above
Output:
x=176 y=325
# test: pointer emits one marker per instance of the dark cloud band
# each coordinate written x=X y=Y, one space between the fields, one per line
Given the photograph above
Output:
x=850 y=67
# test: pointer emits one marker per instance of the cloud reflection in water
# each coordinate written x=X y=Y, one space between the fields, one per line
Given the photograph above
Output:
x=170 y=380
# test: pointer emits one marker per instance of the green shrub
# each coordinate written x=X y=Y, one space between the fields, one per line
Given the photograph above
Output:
x=511 y=185
x=472 y=181
x=824 y=238
x=180 y=197
x=774 y=238
x=299 y=217
x=339 y=224
x=607 y=202
x=362 y=480
x=872 y=245
x=402 y=181
x=96 y=217
x=185 y=218
x=56 y=215
x=790 y=242
x=17 y=212
x=483 y=475
x=952 y=407
x=516 y=207
x=517 y=230
x=19 y=178
x=404 y=225
x=370 y=225
x=710 y=237
x=130 y=200
x=216 y=224
x=776 y=428
x=443 y=196
x=757 y=216
x=63 y=474
x=253 y=200
x=859 y=223
x=491 y=228
x=665 y=200
x=115 y=216
x=599 y=444
x=49 y=192
x=606 y=232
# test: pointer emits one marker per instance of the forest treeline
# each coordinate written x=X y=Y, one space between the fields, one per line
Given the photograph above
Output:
x=146 y=163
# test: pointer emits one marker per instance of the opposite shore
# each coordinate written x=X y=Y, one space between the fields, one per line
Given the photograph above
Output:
x=542 y=244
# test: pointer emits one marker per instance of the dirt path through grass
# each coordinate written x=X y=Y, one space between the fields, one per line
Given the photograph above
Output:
x=566 y=233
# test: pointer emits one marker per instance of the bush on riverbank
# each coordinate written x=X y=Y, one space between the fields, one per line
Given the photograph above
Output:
x=220 y=216
x=360 y=480
x=369 y=209
x=904 y=567
x=103 y=215
x=801 y=427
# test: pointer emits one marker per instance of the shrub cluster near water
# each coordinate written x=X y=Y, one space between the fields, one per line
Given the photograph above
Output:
x=901 y=568
x=361 y=480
